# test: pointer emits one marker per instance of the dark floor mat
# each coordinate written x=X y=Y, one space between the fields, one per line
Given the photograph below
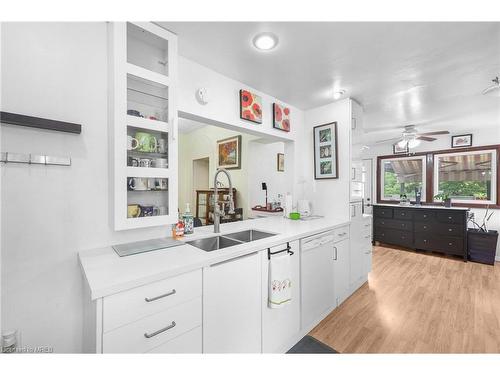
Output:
x=309 y=345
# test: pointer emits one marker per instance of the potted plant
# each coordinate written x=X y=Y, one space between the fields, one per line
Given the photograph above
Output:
x=445 y=198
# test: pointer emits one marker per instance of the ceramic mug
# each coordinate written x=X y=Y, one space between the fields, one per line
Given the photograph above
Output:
x=160 y=163
x=162 y=146
x=147 y=210
x=161 y=184
x=132 y=143
x=133 y=162
x=137 y=183
x=145 y=163
x=146 y=142
x=133 y=210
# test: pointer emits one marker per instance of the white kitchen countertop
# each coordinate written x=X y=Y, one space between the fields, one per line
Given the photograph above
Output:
x=107 y=273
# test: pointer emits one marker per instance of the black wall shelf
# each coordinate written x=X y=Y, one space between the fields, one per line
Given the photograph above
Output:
x=39 y=123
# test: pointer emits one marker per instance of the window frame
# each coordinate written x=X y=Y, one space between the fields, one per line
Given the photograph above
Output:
x=411 y=157
x=429 y=194
x=494 y=175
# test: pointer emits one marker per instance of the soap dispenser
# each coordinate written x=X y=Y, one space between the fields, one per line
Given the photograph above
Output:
x=188 y=219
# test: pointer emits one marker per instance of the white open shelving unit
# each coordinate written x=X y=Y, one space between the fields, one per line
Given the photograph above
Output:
x=142 y=79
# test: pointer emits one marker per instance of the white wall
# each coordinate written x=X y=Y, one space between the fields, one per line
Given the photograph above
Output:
x=329 y=197
x=263 y=168
x=481 y=136
x=57 y=71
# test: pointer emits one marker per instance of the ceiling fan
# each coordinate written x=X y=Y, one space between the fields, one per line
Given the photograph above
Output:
x=412 y=137
x=495 y=88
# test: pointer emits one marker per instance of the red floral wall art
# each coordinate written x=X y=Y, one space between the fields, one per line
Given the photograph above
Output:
x=281 y=117
x=250 y=106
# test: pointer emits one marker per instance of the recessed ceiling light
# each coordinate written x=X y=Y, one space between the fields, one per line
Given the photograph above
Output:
x=265 y=41
x=338 y=94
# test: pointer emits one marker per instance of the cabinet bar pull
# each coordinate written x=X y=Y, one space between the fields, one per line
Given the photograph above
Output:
x=149 y=335
x=335 y=248
x=158 y=297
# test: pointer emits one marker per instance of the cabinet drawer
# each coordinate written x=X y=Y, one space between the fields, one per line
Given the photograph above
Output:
x=394 y=237
x=131 y=305
x=403 y=214
x=341 y=233
x=450 y=217
x=423 y=215
x=189 y=342
x=386 y=212
x=440 y=229
x=131 y=338
x=394 y=224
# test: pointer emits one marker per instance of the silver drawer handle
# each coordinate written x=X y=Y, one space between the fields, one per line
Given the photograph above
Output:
x=368 y=236
x=342 y=234
x=367 y=225
x=149 y=335
x=450 y=230
x=162 y=296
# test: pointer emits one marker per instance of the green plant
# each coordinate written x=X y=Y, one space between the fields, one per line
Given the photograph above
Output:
x=442 y=196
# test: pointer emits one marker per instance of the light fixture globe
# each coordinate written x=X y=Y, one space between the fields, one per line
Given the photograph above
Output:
x=265 y=41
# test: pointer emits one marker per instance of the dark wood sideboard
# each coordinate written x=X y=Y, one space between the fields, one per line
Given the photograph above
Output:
x=421 y=228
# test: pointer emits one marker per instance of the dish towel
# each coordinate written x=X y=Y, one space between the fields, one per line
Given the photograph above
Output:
x=280 y=281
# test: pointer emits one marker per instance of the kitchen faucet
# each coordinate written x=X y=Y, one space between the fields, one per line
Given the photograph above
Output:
x=217 y=211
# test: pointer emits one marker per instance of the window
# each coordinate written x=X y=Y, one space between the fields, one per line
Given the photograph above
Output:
x=402 y=176
x=469 y=176
x=466 y=177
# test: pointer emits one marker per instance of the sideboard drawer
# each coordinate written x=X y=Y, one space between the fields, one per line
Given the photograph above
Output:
x=385 y=212
x=423 y=215
x=450 y=217
x=448 y=245
x=440 y=229
x=394 y=237
x=131 y=305
x=160 y=327
x=403 y=214
x=394 y=224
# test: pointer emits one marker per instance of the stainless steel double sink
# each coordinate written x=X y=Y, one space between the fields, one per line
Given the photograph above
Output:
x=228 y=240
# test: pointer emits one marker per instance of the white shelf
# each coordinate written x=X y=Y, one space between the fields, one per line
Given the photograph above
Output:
x=148 y=172
x=148 y=74
x=145 y=123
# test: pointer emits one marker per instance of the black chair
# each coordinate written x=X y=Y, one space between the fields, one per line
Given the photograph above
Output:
x=197 y=222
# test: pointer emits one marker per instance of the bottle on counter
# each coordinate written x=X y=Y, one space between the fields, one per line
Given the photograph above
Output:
x=188 y=220
x=178 y=229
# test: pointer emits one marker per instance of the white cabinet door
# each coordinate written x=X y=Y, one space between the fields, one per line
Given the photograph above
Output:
x=368 y=259
x=232 y=306
x=279 y=326
x=317 y=280
x=341 y=270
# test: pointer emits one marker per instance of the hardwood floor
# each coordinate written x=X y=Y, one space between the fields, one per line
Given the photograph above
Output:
x=418 y=303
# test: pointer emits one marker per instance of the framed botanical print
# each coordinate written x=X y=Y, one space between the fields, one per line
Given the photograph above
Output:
x=464 y=140
x=281 y=163
x=250 y=106
x=281 y=117
x=229 y=153
x=326 y=163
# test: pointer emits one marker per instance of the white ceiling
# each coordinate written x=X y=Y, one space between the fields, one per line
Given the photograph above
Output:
x=188 y=126
x=429 y=74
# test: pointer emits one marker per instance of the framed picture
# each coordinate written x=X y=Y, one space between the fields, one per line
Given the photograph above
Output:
x=326 y=163
x=250 y=106
x=281 y=162
x=281 y=117
x=464 y=140
x=397 y=149
x=229 y=153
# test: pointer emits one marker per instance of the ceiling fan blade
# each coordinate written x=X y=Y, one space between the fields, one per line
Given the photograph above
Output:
x=435 y=133
x=428 y=139
x=389 y=140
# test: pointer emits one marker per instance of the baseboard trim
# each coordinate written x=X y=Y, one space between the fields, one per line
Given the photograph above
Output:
x=497 y=258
